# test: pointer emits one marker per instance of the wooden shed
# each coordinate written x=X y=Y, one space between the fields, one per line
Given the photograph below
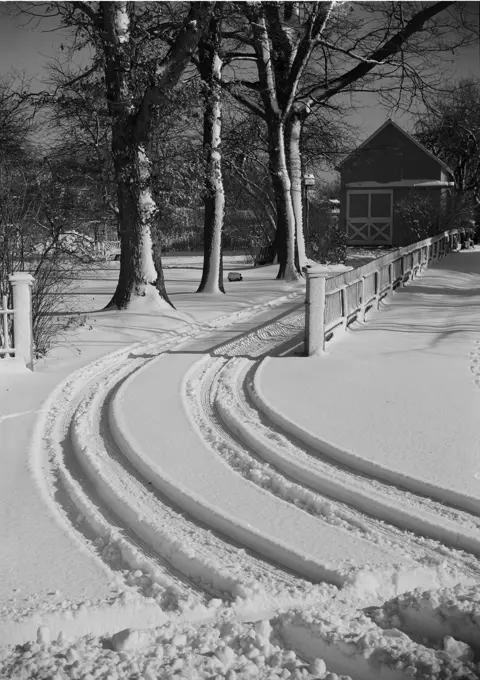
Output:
x=382 y=171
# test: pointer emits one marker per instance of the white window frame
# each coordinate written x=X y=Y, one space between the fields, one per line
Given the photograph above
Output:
x=370 y=221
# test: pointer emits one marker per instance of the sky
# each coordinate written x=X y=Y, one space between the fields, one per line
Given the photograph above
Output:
x=29 y=46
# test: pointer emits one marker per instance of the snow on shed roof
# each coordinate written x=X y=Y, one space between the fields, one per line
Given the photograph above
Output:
x=389 y=121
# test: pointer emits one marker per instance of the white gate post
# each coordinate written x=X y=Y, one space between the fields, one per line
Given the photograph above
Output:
x=22 y=283
x=315 y=310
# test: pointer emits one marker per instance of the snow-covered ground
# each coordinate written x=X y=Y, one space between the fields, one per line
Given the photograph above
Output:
x=158 y=519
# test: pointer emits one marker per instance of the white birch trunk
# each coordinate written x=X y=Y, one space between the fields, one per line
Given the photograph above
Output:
x=283 y=198
x=146 y=210
x=214 y=196
x=295 y=162
x=212 y=277
x=291 y=273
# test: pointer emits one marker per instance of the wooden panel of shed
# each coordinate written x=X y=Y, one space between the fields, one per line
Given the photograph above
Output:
x=390 y=157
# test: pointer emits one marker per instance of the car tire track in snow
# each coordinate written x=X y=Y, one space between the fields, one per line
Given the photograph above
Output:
x=314 y=634
x=375 y=499
x=348 y=458
x=94 y=528
x=211 y=562
x=458 y=518
x=239 y=406
x=475 y=363
x=208 y=410
x=75 y=496
x=190 y=472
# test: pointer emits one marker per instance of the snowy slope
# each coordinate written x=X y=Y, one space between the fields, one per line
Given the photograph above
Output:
x=195 y=601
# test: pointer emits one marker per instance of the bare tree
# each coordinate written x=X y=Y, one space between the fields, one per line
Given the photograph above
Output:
x=308 y=53
x=451 y=130
x=139 y=72
x=16 y=119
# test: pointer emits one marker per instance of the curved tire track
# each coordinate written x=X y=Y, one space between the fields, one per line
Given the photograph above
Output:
x=223 y=404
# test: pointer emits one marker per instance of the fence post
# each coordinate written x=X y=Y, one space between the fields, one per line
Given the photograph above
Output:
x=343 y=295
x=22 y=283
x=377 y=288
x=404 y=268
x=362 y=303
x=315 y=311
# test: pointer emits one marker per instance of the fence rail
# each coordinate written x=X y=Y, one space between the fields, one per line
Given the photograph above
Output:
x=106 y=249
x=6 y=329
x=333 y=302
x=16 y=337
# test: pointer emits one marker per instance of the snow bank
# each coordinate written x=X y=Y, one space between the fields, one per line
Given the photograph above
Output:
x=12 y=366
x=431 y=615
x=350 y=645
x=230 y=650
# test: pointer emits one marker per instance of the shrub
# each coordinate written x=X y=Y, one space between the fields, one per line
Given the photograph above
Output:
x=423 y=217
x=328 y=246
x=28 y=245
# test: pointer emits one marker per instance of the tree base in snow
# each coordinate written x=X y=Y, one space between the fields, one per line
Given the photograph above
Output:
x=151 y=302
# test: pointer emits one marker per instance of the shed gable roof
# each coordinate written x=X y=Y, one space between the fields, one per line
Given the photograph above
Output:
x=388 y=122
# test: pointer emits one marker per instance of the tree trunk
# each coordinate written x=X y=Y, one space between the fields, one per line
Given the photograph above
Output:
x=133 y=116
x=214 y=195
x=294 y=131
x=138 y=275
x=285 y=235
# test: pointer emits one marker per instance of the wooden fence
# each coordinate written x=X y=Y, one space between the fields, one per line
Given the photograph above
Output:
x=107 y=249
x=333 y=302
x=16 y=337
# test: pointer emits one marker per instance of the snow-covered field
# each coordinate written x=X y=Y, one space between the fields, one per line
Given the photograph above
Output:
x=157 y=523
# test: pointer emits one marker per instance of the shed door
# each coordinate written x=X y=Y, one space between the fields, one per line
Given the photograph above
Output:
x=369 y=216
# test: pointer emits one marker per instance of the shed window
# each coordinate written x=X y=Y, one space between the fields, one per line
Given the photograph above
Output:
x=358 y=205
x=381 y=205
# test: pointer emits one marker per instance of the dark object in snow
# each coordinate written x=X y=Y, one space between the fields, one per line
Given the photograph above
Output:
x=235 y=276
x=117 y=257
x=265 y=255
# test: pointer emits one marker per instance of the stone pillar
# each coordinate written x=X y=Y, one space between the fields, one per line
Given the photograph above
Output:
x=22 y=283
